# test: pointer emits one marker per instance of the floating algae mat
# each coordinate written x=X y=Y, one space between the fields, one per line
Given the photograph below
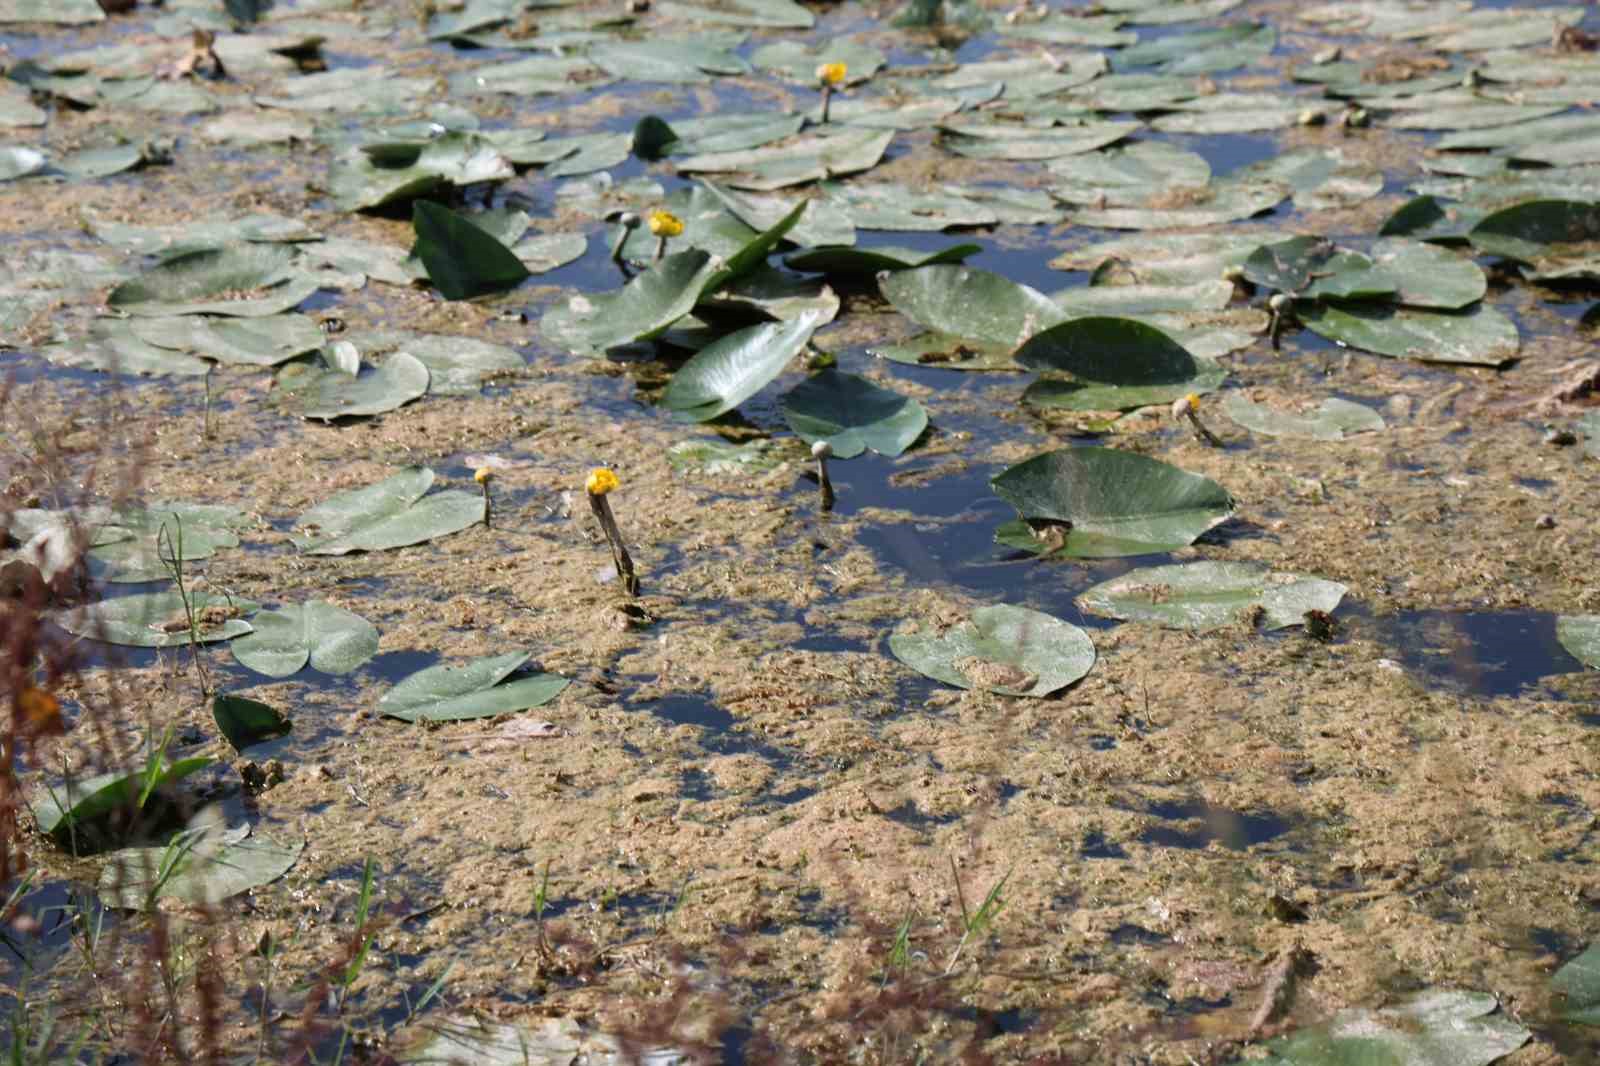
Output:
x=941 y=532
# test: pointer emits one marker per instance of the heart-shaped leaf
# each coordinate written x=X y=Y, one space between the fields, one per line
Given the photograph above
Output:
x=852 y=414
x=641 y=309
x=1479 y=337
x=390 y=514
x=1116 y=364
x=160 y=619
x=1334 y=419
x=727 y=372
x=327 y=393
x=976 y=304
x=455 y=693
x=1010 y=650
x=332 y=639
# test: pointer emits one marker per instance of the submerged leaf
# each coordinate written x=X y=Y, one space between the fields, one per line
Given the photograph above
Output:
x=205 y=865
x=1580 y=635
x=1208 y=594
x=1009 y=650
x=1333 y=420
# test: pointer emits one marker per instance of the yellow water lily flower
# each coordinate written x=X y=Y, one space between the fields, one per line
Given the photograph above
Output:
x=602 y=480
x=483 y=474
x=832 y=73
x=665 y=224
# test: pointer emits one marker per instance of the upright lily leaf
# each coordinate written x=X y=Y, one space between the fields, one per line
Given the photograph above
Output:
x=456 y=693
x=245 y=722
x=69 y=809
x=641 y=309
x=1117 y=503
x=727 y=372
x=1116 y=364
x=1580 y=635
x=332 y=639
x=965 y=302
x=205 y=865
x=1540 y=231
x=1440 y=1027
x=1333 y=420
x=755 y=252
x=462 y=260
x=328 y=393
x=1480 y=337
x=1208 y=594
x=160 y=619
x=852 y=414
x=392 y=513
x=1010 y=650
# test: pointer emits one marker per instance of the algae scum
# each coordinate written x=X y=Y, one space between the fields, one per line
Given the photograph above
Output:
x=1192 y=663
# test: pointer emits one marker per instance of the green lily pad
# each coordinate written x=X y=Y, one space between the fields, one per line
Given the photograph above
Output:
x=1229 y=112
x=1207 y=595
x=1117 y=503
x=205 y=865
x=196 y=532
x=1542 y=232
x=456 y=693
x=798 y=62
x=264 y=341
x=1479 y=337
x=332 y=639
x=76 y=811
x=327 y=393
x=948 y=352
x=717 y=459
x=1334 y=419
x=191 y=276
x=821 y=224
x=1579 y=979
x=1440 y=1027
x=1580 y=635
x=685 y=61
x=769 y=14
x=1116 y=364
x=463 y=260
x=1161 y=259
x=91 y=163
x=245 y=722
x=197 y=235
x=975 y=304
x=1427 y=218
x=1135 y=301
x=727 y=372
x=641 y=309
x=1128 y=175
x=1013 y=651
x=1221 y=201
x=1322 y=179
x=369 y=177
x=1428 y=275
x=809 y=157
x=889 y=206
x=456 y=365
x=852 y=414
x=392 y=513
x=58 y=12
x=854 y=262
x=1009 y=141
x=1201 y=51
x=158 y=619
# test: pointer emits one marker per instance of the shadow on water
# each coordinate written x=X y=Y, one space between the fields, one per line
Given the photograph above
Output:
x=1199 y=823
x=1479 y=653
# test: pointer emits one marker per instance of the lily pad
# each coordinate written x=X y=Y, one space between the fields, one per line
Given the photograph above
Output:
x=332 y=639
x=463 y=260
x=1117 y=503
x=852 y=414
x=130 y=538
x=198 y=275
x=1128 y=175
x=1333 y=420
x=159 y=620
x=1116 y=364
x=1161 y=259
x=1540 y=231
x=948 y=352
x=205 y=865
x=820 y=225
x=1219 y=202
x=727 y=372
x=368 y=178
x=809 y=157
x=327 y=393
x=78 y=808
x=1229 y=112
x=264 y=341
x=392 y=513
x=1441 y=1027
x=245 y=722
x=456 y=365
x=1208 y=594
x=1428 y=275
x=641 y=309
x=1479 y=337
x=1009 y=141
x=1580 y=635
x=964 y=302
x=717 y=459
x=1013 y=651
x=456 y=693
x=1322 y=179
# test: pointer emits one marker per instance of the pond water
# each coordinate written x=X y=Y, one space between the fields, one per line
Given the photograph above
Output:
x=744 y=803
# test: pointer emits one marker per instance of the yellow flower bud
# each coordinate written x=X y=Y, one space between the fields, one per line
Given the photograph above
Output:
x=665 y=224
x=482 y=475
x=1193 y=401
x=832 y=73
x=601 y=481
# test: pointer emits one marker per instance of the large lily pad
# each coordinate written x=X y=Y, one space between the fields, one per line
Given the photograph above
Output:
x=264 y=341
x=1442 y=1027
x=373 y=176
x=727 y=372
x=965 y=302
x=1479 y=337
x=1128 y=175
x=192 y=276
x=1160 y=259
x=1580 y=635
x=456 y=365
x=456 y=693
x=809 y=157
x=463 y=260
x=1013 y=651
x=1334 y=419
x=852 y=414
x=159 y=620
x=641 y=309
x=1542 y=233
x=1117 y=503
x=1116 y=364
x=328 y=393
x=392 y=513
x=204 y=865
x=1209 y=594
x=1428 y=275
x=128 y=540
x=332 y=639
x=1219 y=202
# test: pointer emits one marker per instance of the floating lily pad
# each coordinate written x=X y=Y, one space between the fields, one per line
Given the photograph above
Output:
x=1441 y=1027
x=718 y=459
x=59 y=12
x=727 y=372
x=198 y=275
x=1116 y=364
x=1541 y=233
x=1117 y=503
x=392 y=513
x=820 y=225
x=964 y=302
x=456 y=365
x=463 y=260
x=1207 y=595
x=1322 y=179
x=1009 y=141
x=1201 y=51
x=332 y=639
x=75 y=812
x=246 y=722
x=1479 y=337
x=1128 y=175
x=205 y=865
x=159 y=620
x=798 y=62
x=641 y=309
x=1334 y=419
x=1580 y=635
x=809 y=157
x=1013 y=651
x=948 y=352
x=1219 y=202
x=1161 y=259
x=264 y=341
x=1430 y=276
x=328 y=393
x=1229 y=112
x=456 y=693
x=370 y=177
x=852 y=414
x=194 y=531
